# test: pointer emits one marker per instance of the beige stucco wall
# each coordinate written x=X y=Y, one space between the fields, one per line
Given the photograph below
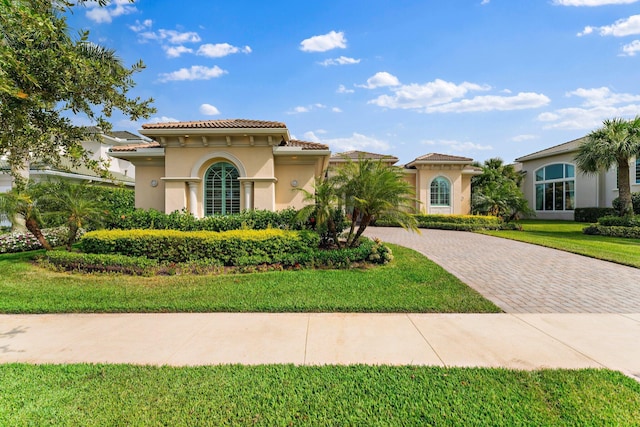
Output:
x=460 y=189
x=148 y=196
x=286 y=194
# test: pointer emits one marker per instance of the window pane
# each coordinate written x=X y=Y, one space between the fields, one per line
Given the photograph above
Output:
x=440 y=194
x=569 y=171
x=222 y=190
x=539 y=197
x=637 y=171
x=554 y=171
x=548 y=197
x=569 y=195
x=540 y=174
x=558 y=196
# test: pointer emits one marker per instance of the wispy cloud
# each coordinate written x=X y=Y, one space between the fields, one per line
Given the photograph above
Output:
x=343 y=89
x=196 y=72
x=356 y=141
x=105 y=14
x=631 y=49
x=176 y=51
x=325 y=42
x=458 y=146
x=342 y=60
x=381 y=79
x=621 y=28
x=524 y=137
x=220 y=49
x=597 y=104
x=306 y=108
x=163 y=119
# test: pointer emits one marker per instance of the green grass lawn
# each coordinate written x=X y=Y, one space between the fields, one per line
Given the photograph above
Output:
x=568 y=236
x=102 y=395
x=411 y=283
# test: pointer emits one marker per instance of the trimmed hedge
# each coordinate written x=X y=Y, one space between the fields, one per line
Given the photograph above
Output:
x=450 y=222
x=591 y=214
x=228 y=248
x=155 y=220
x=620 y=221
x=613 y=231
x=101 y=263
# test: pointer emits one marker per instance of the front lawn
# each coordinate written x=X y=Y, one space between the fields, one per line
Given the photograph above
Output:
x=568 y=236
x=99 y=395
x=411 y=283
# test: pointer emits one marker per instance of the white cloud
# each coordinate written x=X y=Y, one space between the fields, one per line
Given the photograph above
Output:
x=631 y=49
x=341 y=60
x=105 y=14
x=381 y=79
x=525 y=137
x=459 y=146
x=622 y=27
x=220 y=49
x=590 y=2
x=356 y=141
x=336 y=110
x=483 y=2
x=421 y=96
x=305 y=109
x=141 y=26
x=521 y=101
x=163 y=119
x=597 y=104
x=170 y=36
x=209 y=110
x=176 y=51
x=343 y=89
x=323 y=43
x=196 y=72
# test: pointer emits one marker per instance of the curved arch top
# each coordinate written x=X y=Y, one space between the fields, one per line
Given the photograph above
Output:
x=218 y=155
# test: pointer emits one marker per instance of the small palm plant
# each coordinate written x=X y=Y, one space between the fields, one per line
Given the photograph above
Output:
x=19 y=204
x=324 y=203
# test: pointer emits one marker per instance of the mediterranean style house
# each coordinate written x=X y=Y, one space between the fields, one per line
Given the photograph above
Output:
x=225 y=166
x=554 y=187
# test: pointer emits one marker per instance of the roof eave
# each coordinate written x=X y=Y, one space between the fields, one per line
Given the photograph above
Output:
x=284 y=132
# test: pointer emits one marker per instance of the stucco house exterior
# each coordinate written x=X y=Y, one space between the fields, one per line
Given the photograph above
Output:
x=222 y=166
x=225 y=166
x=554 y=186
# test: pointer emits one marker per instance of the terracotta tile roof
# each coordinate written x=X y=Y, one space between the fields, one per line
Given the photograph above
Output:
x=436 y=157
x=134 y=147
x=355 y=155
x=217 y=124
x=305 y=145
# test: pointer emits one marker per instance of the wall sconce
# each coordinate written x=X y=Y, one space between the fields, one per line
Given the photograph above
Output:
x=294 y=183
x=154 y=183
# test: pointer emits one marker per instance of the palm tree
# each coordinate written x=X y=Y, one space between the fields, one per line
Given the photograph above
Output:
x=615 y=143
x=18 y=203
x=74 y=203
x=372 y=189
x=324 y=200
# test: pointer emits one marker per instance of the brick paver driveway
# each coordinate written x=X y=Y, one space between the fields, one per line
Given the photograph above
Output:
x=524 y=278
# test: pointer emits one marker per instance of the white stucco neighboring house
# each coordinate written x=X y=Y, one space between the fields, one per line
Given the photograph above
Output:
x=554 y=186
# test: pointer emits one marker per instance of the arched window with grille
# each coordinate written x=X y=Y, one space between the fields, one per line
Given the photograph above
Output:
x=555 y=187
x=221 y=190
x=440 y=192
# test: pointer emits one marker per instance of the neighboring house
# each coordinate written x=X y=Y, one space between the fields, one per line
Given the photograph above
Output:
x=222 y=166
x=122 y=171
x=554 y=186
x=442 y=183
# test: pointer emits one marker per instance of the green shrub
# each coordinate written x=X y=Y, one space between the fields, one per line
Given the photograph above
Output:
x=620 y=221
x=450 y=222
x=635 y=200
x=613 y=231
x=25 y=241
x=102 y=263
x=185 y=221
x=182 y=246
x=591 y=214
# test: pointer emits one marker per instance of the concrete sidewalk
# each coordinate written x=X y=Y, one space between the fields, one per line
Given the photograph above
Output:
x=520 y=341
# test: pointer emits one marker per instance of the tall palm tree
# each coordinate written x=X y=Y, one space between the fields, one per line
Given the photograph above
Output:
x=372 y=189
x=18 y=203
x=615 y=143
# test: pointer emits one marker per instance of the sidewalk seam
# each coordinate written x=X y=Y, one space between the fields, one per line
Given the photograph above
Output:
x=426 y=340
x=306 y=339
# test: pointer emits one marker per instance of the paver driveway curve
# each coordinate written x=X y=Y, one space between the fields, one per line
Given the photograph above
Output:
x=524 y=278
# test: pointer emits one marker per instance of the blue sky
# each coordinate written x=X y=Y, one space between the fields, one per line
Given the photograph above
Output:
x=477 y=78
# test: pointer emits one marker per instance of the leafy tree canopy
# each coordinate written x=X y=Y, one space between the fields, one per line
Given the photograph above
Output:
x=45 y=73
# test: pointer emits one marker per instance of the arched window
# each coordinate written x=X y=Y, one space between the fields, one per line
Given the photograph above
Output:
x=555 y=187
x=221 y=190
x=440 y=192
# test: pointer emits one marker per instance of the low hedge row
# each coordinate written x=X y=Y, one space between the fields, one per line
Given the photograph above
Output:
x=450 y=222
x=591 y=214
x=613 y=231
x=184 y=221
x=374 y=252
x=620 y=221
x=228 y=247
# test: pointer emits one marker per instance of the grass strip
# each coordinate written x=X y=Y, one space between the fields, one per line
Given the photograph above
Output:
x=410 y=283
x=567 y=236
x=267 y=395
